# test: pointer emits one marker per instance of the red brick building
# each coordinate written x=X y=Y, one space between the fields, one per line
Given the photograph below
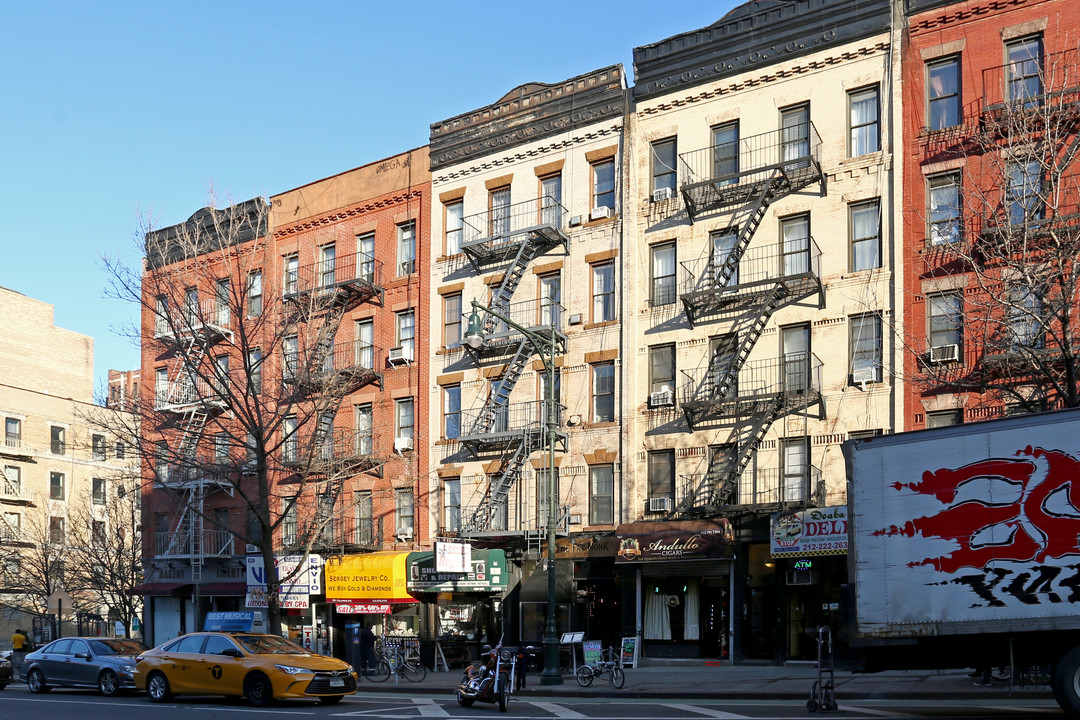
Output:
x=989 y=126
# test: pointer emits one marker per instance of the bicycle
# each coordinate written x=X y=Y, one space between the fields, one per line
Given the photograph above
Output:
x=609 y=665
x=402 y=662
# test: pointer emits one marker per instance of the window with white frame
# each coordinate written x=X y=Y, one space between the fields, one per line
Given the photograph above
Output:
x=601 y=494
x=56 y=485
x=1023 y=191
x=451 y=411
x=1024 y=317
x=97 y=446
x=943 y=92
x=865 y=229
x=663 y=274
x=363 y=517
x=1024 y=70
x=603 y=392
x=944 y=418
x=327 y=270
x=365 y=257
x=662 y=474
x=254 y=293
x=452 y=504
x=664 y=165
x=222 y=303
x=403 y=511
x=452 y=320
x=406 y=243
x=12 y=432
x=290 y=356
x=724 y=243
x=291 y=445
x=406 y=333
x=10 y=526
x=550 y=300
x=946 y=321
x=11 y=482
x=551 y=200
x=97 y=491
x=403 y=418
x=943 y=196
x=453 y=227
x=603 y=292
x=866 y=347
x=255 y=362
x=865 y=135
x=364 y=429
x=725 y=150
x=56 y=531
x=662 y=373
x=291 y=274
x=603 y=183
x=289 y=522
x=57 y=440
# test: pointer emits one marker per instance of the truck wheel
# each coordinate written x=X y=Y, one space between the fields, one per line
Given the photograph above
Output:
x=1065 y=682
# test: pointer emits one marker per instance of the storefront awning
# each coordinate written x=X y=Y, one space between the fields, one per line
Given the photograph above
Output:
x=488 y=574
x=377 y=577
x=677 y=540
x=222 y=589
x=161 y=589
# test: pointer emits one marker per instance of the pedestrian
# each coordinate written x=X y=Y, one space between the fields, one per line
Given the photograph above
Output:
x=19 y=646
x=367 y=648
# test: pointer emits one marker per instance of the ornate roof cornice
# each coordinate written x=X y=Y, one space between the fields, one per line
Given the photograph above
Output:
x=348 y=213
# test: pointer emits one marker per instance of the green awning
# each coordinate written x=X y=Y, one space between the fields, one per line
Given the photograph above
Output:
x=488 y=574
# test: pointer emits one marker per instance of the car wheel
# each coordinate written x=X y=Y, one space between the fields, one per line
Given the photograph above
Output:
x=258 y=690
x=108 y=683
x=331 y=699
x=36 y=681
x=157 y=687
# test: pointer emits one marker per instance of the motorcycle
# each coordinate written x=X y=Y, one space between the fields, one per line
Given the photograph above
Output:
x=492 y=680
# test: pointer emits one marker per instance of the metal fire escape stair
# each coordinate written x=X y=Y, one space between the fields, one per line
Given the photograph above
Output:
x=499 y=489
x=500 y=299
x=499 y=400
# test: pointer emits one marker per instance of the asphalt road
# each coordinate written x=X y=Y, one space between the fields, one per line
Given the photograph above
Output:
x=16 y=703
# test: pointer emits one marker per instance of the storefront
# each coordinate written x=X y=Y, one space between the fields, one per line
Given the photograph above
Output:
x=681 y=572
x=371 y=589
x=597 y=609
x=808 y=551
x=462 y=587
x=304 y=620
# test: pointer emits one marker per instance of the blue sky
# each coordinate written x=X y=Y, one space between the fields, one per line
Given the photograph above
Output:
x=111 y=111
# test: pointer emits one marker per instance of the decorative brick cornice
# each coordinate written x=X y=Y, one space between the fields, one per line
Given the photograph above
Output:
x=347 y=213
x=938 y=17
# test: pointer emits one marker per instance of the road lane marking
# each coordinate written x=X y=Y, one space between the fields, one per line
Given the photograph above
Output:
x=557 y=710
x=430 y=708
x=708 y=712
x=874 y=711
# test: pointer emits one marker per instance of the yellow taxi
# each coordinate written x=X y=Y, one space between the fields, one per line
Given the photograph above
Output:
x=262 y=668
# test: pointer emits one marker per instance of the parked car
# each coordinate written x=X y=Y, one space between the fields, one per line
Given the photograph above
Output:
x=105 y=663
x=5 y=669
x=262 y=668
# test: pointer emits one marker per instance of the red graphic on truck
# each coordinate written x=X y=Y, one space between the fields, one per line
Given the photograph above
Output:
x=1036 y=508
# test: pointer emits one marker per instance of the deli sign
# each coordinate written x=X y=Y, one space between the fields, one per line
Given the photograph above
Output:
x=819 y=531
x=678 y=540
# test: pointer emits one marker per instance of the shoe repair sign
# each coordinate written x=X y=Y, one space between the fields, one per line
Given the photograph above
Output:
x=818 y=531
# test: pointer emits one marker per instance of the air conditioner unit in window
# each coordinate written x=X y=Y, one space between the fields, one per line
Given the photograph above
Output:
x=249 y=548
x=661 y=398
x=599 y=213
x=403 y=534
x=662 y=194
x=944 y=353
x=659 y=504
x=399 y=355
x=864 y=375
x=407 y=268
x=403 y=443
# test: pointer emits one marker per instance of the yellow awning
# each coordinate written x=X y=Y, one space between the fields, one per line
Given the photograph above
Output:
x=371 y=577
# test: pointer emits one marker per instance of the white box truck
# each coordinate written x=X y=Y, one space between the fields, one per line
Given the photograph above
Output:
x=964 y=547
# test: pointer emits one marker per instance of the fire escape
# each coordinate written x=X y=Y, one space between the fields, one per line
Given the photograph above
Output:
x=743 y=286
x=323 y=370
x=508 y=239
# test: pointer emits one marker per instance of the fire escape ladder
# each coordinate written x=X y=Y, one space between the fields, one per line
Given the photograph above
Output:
x=499 y=489
x=499 y=400
x=777 y=185
x=726 y=376
x=500 y=299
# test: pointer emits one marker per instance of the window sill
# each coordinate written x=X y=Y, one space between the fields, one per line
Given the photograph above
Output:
x=449 y=350
x=598 y=425
x=605 y=323
x=601 y=221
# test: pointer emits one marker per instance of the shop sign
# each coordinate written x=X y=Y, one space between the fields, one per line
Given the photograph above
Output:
x=677 y=540
x=487 y=573
x=603 y=546
x=819 y=531
x=362 y=608
x=453 y=557
x=229 y=621
x=292 y=594
x=377 y=577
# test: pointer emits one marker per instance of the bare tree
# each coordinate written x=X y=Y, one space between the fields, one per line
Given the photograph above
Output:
x=250 y=373
x=44 y=564
x=999 y=273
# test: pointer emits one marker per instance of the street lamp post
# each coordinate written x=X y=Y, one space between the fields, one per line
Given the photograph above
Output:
x=474 y=338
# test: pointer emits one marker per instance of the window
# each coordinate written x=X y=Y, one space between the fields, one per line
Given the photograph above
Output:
x=795 y=469
x=551 y=200
x=795 y=232
x=795 y=135
x=406 y=329
x=251 y=455
x=943 y=93
x=11 y=482
x=290 y=356
x=726 y=152
x=161 y=386
x=254 y=294
x=291 y=276
x=453 y=226
x=1024 y=314
x=56 y=530
x=944 y=200
x=451 y=411
x=406 y=248
x=120 y=450
x=221 y=448
x=57 y=444
x=663 y=165
x=56 y=486
x=550 y=300
x=865 y=133
x=662 y=369
x=499 y=211
x=161 y=316
x=12 y=432
x=10 y=526
x=795 y=351
x=221 y=303
x=97 y=443
x=662 y=474
x=403 y=418
x=221 y=374
x=290 y=446
x=663 y=274
x=191 y=303
x=98 y=491
x=363 y=429
x=723 y=354
x=1024 y=70
x=452 y=320
x=289 y=525
x=723 y=248
x=97 y=532
x=946 y=320
x=326 y=273
x=365 y=257
x=255 y=360
x=1023 y=191
x=403 y=510
x=866 y=349
x=452 y=504
x=944 y=418
x=865 y=235
x=603 y=184
x=601 y=495
x=365 y=344
x=363 y=517
x=603 y=392
x=603 y=292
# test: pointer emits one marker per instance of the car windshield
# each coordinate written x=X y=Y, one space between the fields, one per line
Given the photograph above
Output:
x=117 y=647
x=269 y=645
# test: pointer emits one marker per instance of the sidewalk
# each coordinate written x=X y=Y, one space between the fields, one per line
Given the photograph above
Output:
x=730 y=682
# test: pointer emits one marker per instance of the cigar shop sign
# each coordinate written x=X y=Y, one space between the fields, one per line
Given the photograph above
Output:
x=677 y=540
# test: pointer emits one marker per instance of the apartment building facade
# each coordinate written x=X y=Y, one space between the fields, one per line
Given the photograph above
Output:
x=527 y=196
x=60 y=466
x=759 y=306
x=990 y=195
